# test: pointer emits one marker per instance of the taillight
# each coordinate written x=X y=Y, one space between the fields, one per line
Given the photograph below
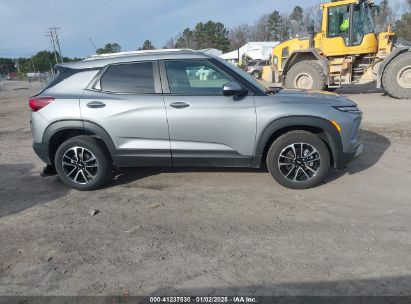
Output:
x=37 y=103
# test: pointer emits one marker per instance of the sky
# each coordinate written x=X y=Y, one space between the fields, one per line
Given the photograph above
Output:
x=23 y=24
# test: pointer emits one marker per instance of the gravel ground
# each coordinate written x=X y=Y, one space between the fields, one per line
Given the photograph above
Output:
x=209 y=231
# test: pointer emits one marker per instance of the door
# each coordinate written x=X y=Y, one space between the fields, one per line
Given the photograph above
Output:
x=126 y=101
x=206 y=128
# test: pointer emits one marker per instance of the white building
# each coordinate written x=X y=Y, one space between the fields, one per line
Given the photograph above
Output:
x=254 y=50
x=231 y=56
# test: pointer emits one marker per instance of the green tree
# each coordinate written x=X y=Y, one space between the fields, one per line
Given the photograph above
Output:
x=109 y=48
x=404 y=24
x=297 y=14
x=43 y=61
x=205 y=35
x=185 y=40
x=383 y=16
x=7 y=65
x=211 y=35
x=278 y=26
x=147 y=45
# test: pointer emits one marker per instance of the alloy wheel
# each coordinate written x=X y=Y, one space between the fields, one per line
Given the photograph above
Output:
x=299 y=162
x=80 y=165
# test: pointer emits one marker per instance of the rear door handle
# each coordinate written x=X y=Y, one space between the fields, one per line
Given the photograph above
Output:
x=96 y=104
x=179 y=105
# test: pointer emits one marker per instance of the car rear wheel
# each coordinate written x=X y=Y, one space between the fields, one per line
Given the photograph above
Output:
x=298 y=160
x=83 y=163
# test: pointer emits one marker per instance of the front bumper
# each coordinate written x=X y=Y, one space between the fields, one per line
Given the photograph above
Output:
x=345 y=158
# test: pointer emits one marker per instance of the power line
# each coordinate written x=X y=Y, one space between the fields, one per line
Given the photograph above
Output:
x=92 y=43
x=36 y=46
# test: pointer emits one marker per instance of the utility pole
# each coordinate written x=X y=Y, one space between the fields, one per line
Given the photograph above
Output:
x=57 y=42
x=51 y=35
x=32 y=63
x=17 y=65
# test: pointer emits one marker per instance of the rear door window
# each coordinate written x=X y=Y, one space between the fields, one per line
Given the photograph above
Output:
x=132 y=78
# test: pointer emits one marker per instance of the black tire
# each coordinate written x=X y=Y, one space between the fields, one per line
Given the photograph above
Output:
x=391 y=80
x=103 y=169
x=256 y=74
x=308 y=67
x=309 y=140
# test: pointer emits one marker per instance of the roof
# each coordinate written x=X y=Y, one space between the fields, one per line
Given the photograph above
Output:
x=211 y=51
x=97 y=61
x=230 y=55
x=344 y=2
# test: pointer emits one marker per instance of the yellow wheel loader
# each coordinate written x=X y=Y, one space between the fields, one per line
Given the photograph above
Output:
x=347 y=50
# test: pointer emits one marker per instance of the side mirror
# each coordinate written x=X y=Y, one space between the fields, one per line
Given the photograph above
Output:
x=233 y=89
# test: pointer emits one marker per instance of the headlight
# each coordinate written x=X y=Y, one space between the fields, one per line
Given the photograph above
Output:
x=353 y=109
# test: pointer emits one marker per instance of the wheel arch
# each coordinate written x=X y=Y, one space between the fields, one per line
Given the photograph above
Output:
x=319 y=126
x=60 y=131
x=387 y=60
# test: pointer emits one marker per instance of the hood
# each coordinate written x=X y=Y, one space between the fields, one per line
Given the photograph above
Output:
x=303 y=96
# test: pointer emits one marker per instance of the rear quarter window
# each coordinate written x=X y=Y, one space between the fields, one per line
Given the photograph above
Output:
x=69 y=81
x=134 y=78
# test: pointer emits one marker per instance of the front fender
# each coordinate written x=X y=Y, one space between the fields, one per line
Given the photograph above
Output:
x=277 y=127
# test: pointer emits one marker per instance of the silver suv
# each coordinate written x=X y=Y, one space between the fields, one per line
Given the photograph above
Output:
x=255 y=68
x=185 y=108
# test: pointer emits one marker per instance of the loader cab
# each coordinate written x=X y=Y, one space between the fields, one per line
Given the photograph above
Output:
x=348 y=29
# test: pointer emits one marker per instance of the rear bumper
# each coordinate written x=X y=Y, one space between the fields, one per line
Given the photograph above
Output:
x=41 y=151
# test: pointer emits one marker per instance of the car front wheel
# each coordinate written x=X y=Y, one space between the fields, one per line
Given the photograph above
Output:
x=256 y=74
x=298 y=160
x=83 y=163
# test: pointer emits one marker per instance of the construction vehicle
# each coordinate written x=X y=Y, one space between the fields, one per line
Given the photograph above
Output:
x=346 y=51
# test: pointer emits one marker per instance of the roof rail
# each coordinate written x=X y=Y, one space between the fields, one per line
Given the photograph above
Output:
x=132 y=53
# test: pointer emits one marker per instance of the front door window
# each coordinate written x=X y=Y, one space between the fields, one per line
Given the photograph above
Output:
x=195 y=77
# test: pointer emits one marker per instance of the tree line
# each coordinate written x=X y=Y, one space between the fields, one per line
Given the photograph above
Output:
x=275 y=26
x=43 y=61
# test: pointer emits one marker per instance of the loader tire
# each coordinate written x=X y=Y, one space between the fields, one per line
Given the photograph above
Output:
x=396 y=79
x=307 y=75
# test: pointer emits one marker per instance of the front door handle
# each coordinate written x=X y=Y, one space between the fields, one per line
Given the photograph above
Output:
x=96 y=104
x=179 y=105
